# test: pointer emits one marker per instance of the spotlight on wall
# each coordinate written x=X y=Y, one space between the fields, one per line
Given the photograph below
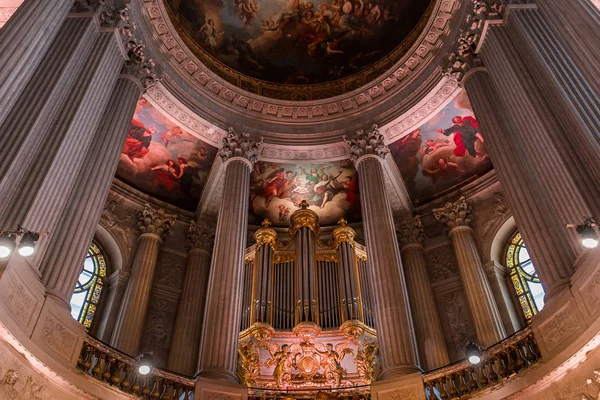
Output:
x=145 y=363
x=26 y=245
x=7 y=244
x=473 y=353
x=587 y=233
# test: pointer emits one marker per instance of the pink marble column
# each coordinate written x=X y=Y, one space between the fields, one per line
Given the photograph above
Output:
x=428 y=329
x=397 y=345
x=185 y=343
x=488 y=324
x=153 y=225
x=219 y=347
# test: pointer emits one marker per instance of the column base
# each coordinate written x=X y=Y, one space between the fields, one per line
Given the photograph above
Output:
x=211 y=389
x=406 y=387
x=399 y=371
x=29 y=314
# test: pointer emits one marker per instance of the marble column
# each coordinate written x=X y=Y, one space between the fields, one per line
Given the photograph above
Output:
x=540 y=225
x=262 y=287
x=185 y=343
x=428 y=329
x=343 y=239
x=305 y=229
x=219 y=347
x=154 y=225
x=397 y=345
x=488 y=324
x=24 y=40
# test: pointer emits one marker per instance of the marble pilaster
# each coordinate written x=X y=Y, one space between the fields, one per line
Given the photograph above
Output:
x=428 y=329
x=262 y=288
x=343 y=238
x=153 y=225
x=397 y=344
x=219 y=347
x=185 y=343
x=488 y=324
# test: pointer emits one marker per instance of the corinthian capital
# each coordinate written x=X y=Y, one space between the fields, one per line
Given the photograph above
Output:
x=139 y=66
x=156 y=221
x=369 y=142
x=200 y=236
x=240 y=145
x=411 y=231
x=454 y=214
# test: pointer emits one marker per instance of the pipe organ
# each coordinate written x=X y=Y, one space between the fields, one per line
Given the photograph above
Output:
x=307 y=320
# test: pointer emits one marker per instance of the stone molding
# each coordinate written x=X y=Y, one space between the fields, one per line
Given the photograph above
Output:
x=210 y=85
x=454 y=215
x=155 y=221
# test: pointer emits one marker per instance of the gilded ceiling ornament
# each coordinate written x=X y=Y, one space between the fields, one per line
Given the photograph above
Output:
x=240 y=145
x=343 y=234
x=266 y=236
x=200 y=236
x=304 y=218
x=454 y=214
x=411 y=231
x=364 y=143
x=156 y=221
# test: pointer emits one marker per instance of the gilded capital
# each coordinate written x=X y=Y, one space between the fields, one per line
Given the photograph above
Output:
x=364 y=143
x=155 y=221
x=200 y=236
x=411 y=231
x=343 y=234
x=266 y=235
x=304 y=218
x=454 y=214
x=240 y=145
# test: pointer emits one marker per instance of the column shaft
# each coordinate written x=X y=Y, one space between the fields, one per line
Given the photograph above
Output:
x=24 y=40
x=538 y=221
x=185 y=344
x=397 y=344
x=486 y=317
x=130 y=323
x=428 y=329
x=68 y=245
x=219 y=347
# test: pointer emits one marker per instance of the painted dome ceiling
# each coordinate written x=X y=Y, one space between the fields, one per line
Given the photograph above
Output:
x=297 y=49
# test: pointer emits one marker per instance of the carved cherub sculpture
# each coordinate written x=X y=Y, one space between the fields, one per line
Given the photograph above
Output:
x=281 y=359
x=332 y=362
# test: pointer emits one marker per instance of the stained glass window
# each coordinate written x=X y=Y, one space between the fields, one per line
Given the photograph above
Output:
x=89 y=287
x=524 y=278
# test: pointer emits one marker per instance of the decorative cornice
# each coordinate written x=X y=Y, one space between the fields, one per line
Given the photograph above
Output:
x=319 y=153
x=343 y=234
x=364 y=143
x=454 y=215
x=410 y=231
x=155 y=221
x=304 y=218
x=266 y=236
x=240 y=145
x=200 y=237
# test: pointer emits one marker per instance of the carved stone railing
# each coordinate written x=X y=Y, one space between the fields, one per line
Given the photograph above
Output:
x=499 y=363
x=108 y=365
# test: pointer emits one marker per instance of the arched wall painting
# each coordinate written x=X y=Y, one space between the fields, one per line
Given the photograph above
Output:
x=163 y=160
x=445 y=152
x=296 y=41
x=330 y=189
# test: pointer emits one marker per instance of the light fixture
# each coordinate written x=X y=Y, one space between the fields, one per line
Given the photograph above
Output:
x=26 y=246
x=473 y=353
x=587 y=233
x=145 y=363
x=7 y=244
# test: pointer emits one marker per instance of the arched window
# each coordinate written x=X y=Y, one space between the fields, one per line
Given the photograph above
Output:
x=524 y=278
x=89 y=286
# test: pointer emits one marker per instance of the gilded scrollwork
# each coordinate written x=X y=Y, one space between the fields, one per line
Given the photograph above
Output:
x=304 y=218
x=266 y=236
x=343 y=234
x=366 y=360
x=249 y=363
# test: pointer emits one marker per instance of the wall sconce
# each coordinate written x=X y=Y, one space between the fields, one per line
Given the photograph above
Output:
x=26 y=245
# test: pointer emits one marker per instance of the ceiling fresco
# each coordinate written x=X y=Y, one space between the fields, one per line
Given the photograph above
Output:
x=445 y=152
x=161 y=159
x=296 y=42
x=277 y=190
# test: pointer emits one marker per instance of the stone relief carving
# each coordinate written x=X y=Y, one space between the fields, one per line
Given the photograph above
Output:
x=336 y=151
x=159 y=328
x=591 y=293
x=58 y=337
x=210 y=395
x=119 y=221
x=200 y=236
x=170 y=270
x=19 y=299
x=155 y=221
x=240 y=145
x=441 y=263
x=363 y=143
x=559 y=328
x=411 y=393
x=457 y=321
x=455 y=214
x=411 y=231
